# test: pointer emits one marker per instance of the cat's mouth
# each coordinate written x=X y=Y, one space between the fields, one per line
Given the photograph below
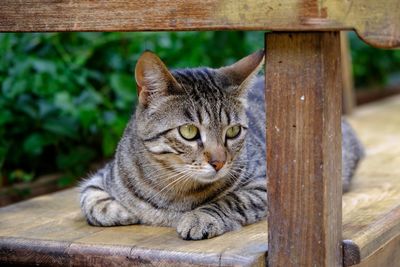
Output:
x=206 y=173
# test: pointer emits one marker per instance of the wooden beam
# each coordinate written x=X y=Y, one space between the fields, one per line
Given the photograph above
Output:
x=303 y=94
x=349 y=100
x=388 y=255
x=377 y=22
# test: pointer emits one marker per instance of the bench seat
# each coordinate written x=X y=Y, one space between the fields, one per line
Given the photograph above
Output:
x=50 y=230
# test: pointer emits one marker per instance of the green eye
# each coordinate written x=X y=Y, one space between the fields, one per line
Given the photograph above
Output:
x=233 y=131
x=189 y=131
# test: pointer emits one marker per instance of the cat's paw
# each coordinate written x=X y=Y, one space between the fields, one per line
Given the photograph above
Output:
x=196 y=225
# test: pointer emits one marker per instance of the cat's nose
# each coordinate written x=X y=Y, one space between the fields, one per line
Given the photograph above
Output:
x=216 y=157
x=217 y=165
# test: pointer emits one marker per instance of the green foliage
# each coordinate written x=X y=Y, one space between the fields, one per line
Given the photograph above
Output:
x=65 y=98
x=372 y=66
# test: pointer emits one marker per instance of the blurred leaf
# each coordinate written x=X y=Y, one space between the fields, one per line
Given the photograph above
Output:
x=66 y=180
x=63 y=101
x=3 y=153
x=21 y=176
x=63 y=126
x=34 y=144
x=5 y=116
x=109 y=143
x=76 y=160
x=12 y=87
x=371 y=66
x=44 y=66
x=123 y=86
x=87 y=117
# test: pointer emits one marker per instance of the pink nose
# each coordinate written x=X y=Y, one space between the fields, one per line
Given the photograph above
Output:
x=217 y=165
x=216 y=157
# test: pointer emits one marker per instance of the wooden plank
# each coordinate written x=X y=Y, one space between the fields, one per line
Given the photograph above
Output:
x=375 y=93
x=349 y=101
x=303 y=92
x=51 y=230
x=371 y=210
x=377 y=22
x=387 y=256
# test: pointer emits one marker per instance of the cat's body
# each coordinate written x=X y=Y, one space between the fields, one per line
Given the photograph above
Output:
x=152 y=177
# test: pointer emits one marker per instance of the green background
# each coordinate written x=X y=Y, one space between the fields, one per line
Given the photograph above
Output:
x=66 y=97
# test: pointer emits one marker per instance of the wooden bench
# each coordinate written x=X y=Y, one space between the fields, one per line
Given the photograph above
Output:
x=51 y=229
x=303 y=92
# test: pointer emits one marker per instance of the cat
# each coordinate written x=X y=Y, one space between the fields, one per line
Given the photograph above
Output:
x=193 y=154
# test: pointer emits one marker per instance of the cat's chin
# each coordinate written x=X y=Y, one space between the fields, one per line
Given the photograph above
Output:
x=210 y=177
x=203 y=180
x=206 y=177
x=206 y=174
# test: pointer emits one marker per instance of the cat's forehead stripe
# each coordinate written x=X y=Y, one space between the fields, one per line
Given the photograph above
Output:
x=211 y=77
x=188 y=114
x=207 y=95
x=200 y=79
x=199 y=117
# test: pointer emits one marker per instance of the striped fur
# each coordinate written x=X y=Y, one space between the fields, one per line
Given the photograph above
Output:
x=158 y=178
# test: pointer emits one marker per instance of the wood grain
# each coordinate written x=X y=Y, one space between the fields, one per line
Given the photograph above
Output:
x=51 y=230
x=371 y=210
x=303 y=92
x=388 y=255
x=377 y=22
x=349 y=100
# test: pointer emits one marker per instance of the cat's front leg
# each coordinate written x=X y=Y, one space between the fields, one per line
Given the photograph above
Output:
x=100 y=208
x=241 y=207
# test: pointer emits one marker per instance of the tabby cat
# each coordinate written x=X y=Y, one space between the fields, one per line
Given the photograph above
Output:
x=193 y=154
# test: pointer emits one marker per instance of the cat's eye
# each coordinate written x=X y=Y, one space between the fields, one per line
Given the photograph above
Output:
x=233 y=131
x=189 y=131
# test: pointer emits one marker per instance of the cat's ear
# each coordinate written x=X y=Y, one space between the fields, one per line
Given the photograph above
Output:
x=242 y=73
x=153 y=79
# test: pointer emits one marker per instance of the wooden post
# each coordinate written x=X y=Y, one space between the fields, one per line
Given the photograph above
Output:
x=349 y=100
x=303 y=95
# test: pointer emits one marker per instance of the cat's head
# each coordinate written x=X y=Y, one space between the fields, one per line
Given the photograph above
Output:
x=193 y=121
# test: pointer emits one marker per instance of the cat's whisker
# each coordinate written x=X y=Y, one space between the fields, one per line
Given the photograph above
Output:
x=188 y=167
x=183 y=180
x=159 y=170
x=160 y=174
x=184 y=184
x=168 y=185
x=245 y=175
x=175 y=174
x=165 y=177
x=250 y=160
x=232 y=177
x=246 y=162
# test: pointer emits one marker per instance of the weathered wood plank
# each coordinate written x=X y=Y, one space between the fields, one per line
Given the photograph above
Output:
x=387 y=256
x=377 y=22
x=349 y=100
x=303 y=92
x=371 y=210
x=50 y=229
x=48 y=253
